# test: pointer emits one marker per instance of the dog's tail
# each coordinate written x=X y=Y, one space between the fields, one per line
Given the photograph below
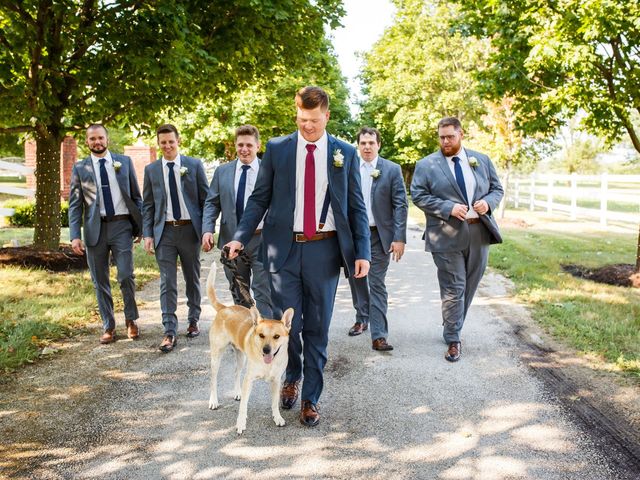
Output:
x=211 y=291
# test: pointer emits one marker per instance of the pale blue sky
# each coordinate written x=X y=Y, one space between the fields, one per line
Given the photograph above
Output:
x=364 y=23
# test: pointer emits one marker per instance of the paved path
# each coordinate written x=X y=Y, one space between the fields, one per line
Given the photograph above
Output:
x=126 y=411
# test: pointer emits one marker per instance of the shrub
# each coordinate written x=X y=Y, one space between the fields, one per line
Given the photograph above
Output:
x=25 y=213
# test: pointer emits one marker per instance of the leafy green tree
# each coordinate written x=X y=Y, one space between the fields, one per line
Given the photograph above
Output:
x=208 y=130
x=67 y=63
x=417 y=73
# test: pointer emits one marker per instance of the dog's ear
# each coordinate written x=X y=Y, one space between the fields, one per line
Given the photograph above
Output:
x=255 y=315
x=287 y=318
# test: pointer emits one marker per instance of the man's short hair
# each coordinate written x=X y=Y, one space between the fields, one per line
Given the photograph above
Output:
x=311 y=97
x=248 y=130
x=98 y=125
x=450 y=122
x=167 y=128
x=368 y=131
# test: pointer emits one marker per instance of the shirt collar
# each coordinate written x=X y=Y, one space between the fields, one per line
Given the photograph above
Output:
x=107 y=157
x=254 y=165
x=462 y=155
x=373 y=163
x=320 y=143
x=177 y=161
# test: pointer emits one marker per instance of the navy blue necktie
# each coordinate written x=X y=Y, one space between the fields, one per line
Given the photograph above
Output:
x=106 y=190
x=242 y=186
x=173 y=192
x=460 y=178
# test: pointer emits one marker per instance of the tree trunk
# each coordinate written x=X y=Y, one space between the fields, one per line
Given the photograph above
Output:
x=46 y=235
x=503 y=203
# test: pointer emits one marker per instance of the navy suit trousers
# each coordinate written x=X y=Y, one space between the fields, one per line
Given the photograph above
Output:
x=307 y=282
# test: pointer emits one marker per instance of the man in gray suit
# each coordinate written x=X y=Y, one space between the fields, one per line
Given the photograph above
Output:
x=458 y=189
x=105 y=197
x=174 y=191
x=230 y=188
x=386 y=201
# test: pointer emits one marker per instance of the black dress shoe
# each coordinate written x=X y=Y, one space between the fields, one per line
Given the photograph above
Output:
x=193 y=330
x=309 y=415
x=168 y=343
x=453 y=352
x=381 y=345
x=358 y=328
x=289 y=394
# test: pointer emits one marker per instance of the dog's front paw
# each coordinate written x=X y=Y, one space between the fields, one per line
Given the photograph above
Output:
x=241 y=426
x=279 y=420
x=213 y=404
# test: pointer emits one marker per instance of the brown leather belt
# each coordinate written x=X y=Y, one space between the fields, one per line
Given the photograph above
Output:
x=471 y=221
x=258 y=231
x=373 y=228
x=299 y=237
x=178 y=223
x=114 y=218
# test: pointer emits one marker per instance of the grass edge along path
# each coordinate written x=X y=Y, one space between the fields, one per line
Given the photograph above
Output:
x=38 y=307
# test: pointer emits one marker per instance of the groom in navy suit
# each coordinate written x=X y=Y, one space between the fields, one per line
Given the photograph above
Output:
x=316 y=223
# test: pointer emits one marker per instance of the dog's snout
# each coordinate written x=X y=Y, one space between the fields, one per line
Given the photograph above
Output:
x=266 y=349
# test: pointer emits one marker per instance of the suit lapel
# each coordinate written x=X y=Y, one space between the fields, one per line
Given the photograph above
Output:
x=291 y=147
x=228 y=179
x=376 y=181
x=122 y=176
x=476 y=191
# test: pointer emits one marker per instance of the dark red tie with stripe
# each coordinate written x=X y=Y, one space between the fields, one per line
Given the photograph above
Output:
x=309 y=227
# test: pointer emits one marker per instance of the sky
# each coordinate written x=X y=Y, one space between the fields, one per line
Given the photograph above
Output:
x=364 y=23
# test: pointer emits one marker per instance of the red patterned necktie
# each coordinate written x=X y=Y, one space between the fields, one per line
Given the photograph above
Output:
x=309 y=226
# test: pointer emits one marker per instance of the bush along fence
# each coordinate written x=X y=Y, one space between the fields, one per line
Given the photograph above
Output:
x=607 y=198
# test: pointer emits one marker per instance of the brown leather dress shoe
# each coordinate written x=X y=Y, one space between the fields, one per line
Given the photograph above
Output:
x=381 y=345
x=358 y=328
x=453 y=352
x=132 y=329
x=193 y=330
x=168 y=343
x=309 y=415
x=289 y=394
x=109 y=336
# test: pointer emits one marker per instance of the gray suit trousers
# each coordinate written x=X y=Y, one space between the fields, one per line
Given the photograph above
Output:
x=115 y=237
x=180 y=241
x=260 y=284
x=459 y=274
x=369 y=294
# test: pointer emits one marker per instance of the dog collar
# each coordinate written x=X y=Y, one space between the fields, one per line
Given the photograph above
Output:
x=274 y=355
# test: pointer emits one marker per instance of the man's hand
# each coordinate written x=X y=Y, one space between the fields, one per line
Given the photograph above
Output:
x=362 y=268
x=234 y=248
x=148 y=244
x=137 y=239
x=77 y=246
x=207 y=241
x=481 y=206
x=396 y=250
x=460 y=211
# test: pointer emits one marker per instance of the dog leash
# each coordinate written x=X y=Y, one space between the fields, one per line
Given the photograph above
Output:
x=238 y=284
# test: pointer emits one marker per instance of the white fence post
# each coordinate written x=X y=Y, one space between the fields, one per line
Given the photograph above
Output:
x=549 y=194
x=517 y=194
x=532 y=192
x=604 y=184
x=574 y=196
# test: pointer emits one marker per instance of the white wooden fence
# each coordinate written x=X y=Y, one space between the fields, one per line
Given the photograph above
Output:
x=609 y=198
x=22 y=192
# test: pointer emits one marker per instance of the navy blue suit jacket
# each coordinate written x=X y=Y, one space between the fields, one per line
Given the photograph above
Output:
x=275 y=191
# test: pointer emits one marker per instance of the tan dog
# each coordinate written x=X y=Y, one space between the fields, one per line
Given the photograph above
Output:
x=262 y=343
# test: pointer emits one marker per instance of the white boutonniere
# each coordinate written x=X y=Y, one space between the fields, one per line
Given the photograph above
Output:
x=117 y=166
x=183 y=171
x=338 y=158
x=473 y=162
x=375 y=173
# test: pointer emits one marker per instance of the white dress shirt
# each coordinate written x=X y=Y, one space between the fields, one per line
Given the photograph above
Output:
x=322 y=182
x=184 y=213
x=366 y=180
x=118 y=202
x=469 y=178
x=252 y=176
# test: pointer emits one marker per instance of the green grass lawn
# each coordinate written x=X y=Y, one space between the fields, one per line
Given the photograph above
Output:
x=596 y=319
x=38 y=307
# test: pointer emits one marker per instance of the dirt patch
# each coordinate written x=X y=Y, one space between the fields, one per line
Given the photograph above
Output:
x=621 y=274
x=56 y=261
x=513 y=223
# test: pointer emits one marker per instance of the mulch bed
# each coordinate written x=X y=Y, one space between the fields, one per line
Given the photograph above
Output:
x=61 y=261
x=621 y=274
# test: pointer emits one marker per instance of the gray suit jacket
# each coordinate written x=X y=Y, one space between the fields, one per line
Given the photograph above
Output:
x=221 y=199
x=435 y=191
x=154 y=200
x=84 y=200
x=389 y=203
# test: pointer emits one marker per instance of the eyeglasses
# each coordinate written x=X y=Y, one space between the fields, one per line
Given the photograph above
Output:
x=447 y=137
